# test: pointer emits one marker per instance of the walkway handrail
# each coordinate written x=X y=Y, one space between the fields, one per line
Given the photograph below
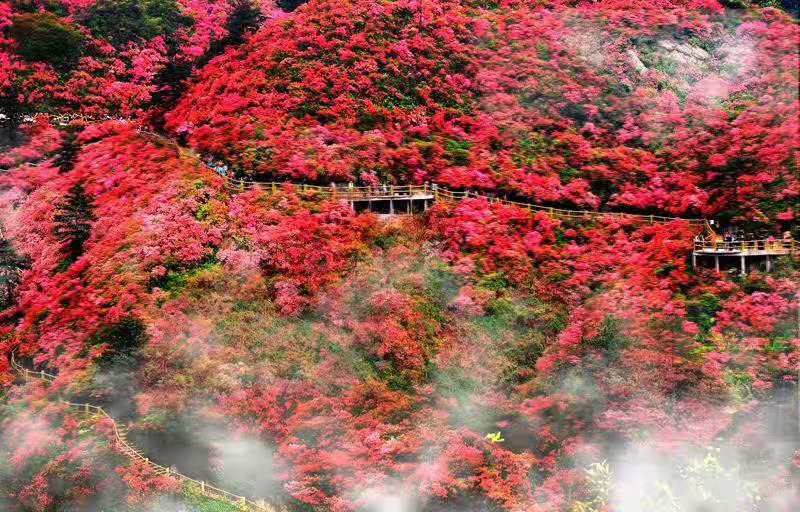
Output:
x=131 y=452
x=439 y=193
x=21 y=370
x=67 y=118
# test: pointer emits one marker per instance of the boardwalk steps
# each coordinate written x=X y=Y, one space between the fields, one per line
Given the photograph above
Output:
x=121 y=440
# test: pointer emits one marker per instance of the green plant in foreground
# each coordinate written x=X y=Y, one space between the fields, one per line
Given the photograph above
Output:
x=598 y=476
x=495 y=437
x=200 y=503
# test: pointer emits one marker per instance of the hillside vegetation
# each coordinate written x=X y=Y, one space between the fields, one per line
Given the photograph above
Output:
x=477 y=357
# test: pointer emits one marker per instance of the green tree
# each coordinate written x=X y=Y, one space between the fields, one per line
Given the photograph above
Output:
x=72 y=223
x=43 y=37
x=14 y=111
x=124 y=339
x=244 y=17
x=65 y=160
x=122 y=21
x=290 y=5
x=11 y=267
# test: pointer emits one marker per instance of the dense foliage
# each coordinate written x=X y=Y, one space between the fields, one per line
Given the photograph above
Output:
x=479 y=357
x=662 y=106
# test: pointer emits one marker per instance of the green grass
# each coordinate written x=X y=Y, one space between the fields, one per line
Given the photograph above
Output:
x=702 y=310
x=175 y=282
x=457 y=151
x=200 y=503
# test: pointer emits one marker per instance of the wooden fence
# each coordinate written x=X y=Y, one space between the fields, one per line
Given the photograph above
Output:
x=120 y=438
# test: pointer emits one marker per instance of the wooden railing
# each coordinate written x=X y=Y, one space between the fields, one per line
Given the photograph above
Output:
x=438 y=193
x=746 y=247
x=67 y=118
x=339 y=191
x=121 y=440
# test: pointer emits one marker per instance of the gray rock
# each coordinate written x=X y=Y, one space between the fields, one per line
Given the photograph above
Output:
x=636 y=62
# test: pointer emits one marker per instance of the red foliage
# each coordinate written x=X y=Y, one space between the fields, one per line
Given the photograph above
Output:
x=406 y=343
x=147 y=219
x=538 y=101
x=287 y=240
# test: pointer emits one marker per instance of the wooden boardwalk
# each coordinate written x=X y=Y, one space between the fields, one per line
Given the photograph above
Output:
x=121 y=441
x=427 y=194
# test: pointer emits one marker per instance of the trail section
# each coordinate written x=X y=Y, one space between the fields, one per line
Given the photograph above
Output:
x=93 y=412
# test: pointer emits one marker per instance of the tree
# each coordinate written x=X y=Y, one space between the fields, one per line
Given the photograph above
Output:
x=244 y=17
x=65 y=160
x=290 y=5
x=123 y=21
x=73 y=221
x=123 y=339
x=14 y=111
x=11 y=267
x=43 y=37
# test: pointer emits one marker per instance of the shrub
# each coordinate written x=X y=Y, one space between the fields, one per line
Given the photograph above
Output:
x=609 y=337
x=702 y=310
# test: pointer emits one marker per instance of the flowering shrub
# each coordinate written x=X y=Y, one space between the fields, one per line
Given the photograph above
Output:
x=475 y=357
x=530 y=99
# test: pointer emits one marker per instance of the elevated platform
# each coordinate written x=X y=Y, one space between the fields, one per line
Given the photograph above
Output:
x=389 y=200
x=748 y=252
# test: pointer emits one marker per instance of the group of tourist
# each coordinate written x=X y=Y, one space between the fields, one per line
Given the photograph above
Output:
x=733 y=238
x=219 y=167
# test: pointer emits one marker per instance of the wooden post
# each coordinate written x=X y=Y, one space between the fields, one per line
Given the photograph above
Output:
x=694 y=260
x=744 y=268
x=391 y=205
x=333 y=190
x=769 y=264
x=716 y=263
